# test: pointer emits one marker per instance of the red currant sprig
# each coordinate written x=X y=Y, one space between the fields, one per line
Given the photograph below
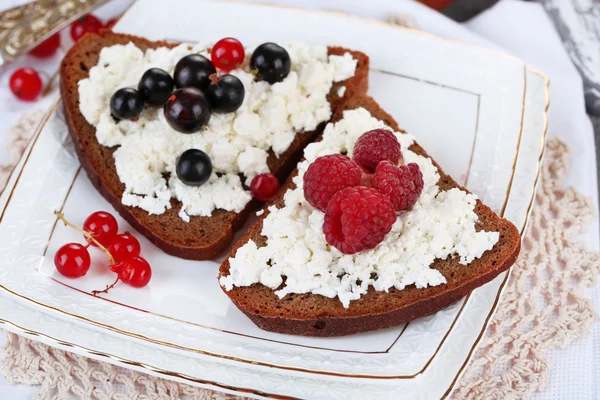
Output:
x=85 y=24
x=123 y=250
x=135 y=271
x=227 y=54
x=103 y=226
x=124 y=246
x=264 y=187
x=72 y=260
x=47 y=48
x=26 y=84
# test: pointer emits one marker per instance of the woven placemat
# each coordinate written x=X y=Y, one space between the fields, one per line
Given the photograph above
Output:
x=542 y=309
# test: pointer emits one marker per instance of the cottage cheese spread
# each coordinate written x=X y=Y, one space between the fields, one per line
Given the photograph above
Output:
x=237 y=143
x=440 y=224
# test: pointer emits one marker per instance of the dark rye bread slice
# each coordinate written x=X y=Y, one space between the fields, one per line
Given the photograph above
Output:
x=202 y=238
x=316 y=315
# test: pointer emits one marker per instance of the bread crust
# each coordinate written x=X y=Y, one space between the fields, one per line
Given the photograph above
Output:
x=202 y=238
x=316 y=315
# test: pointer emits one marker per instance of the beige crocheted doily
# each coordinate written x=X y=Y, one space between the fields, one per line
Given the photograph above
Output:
x=542 y=308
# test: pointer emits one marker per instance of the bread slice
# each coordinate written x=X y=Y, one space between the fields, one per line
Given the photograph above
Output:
x=202 y=238
x=316 y=315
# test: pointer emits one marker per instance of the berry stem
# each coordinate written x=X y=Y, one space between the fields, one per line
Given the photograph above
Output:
x=88 y=236
x=214 y=78
x=48 y=87
x=108 y=287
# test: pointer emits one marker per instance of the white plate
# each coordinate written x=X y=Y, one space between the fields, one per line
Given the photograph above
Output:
x=468 y=107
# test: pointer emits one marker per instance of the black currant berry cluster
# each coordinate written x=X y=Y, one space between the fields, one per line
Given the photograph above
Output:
x=196 y=91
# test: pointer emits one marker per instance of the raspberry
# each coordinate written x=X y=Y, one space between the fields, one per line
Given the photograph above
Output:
x=375 y=146
x=417 y=175
x=402 y=185
x=328 y=175
x=357 y=219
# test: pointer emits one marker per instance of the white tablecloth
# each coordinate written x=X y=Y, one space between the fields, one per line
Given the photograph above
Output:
x=520 y=28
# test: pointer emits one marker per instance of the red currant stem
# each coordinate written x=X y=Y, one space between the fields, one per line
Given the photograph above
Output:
x=87 y=245
x=88 y=235
x=48 y=87
x=108 y=287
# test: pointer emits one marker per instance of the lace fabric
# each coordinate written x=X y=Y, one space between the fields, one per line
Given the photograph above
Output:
x=542 y=308
x=18 y=137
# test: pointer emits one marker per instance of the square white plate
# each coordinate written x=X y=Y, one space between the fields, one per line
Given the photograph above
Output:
x=479 y=113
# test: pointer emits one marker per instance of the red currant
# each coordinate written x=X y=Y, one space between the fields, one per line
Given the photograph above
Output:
x=227 y=54
x=110 y=23
x=86 y=24
x=72 y=260
x=264 y=187
x=124 y=246
x=26 y=84
x=47 y=48
x=134 y=271
x=103 y=227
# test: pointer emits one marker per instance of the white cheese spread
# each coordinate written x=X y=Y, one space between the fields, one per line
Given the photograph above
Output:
x=237 y=143
x=441 y=224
